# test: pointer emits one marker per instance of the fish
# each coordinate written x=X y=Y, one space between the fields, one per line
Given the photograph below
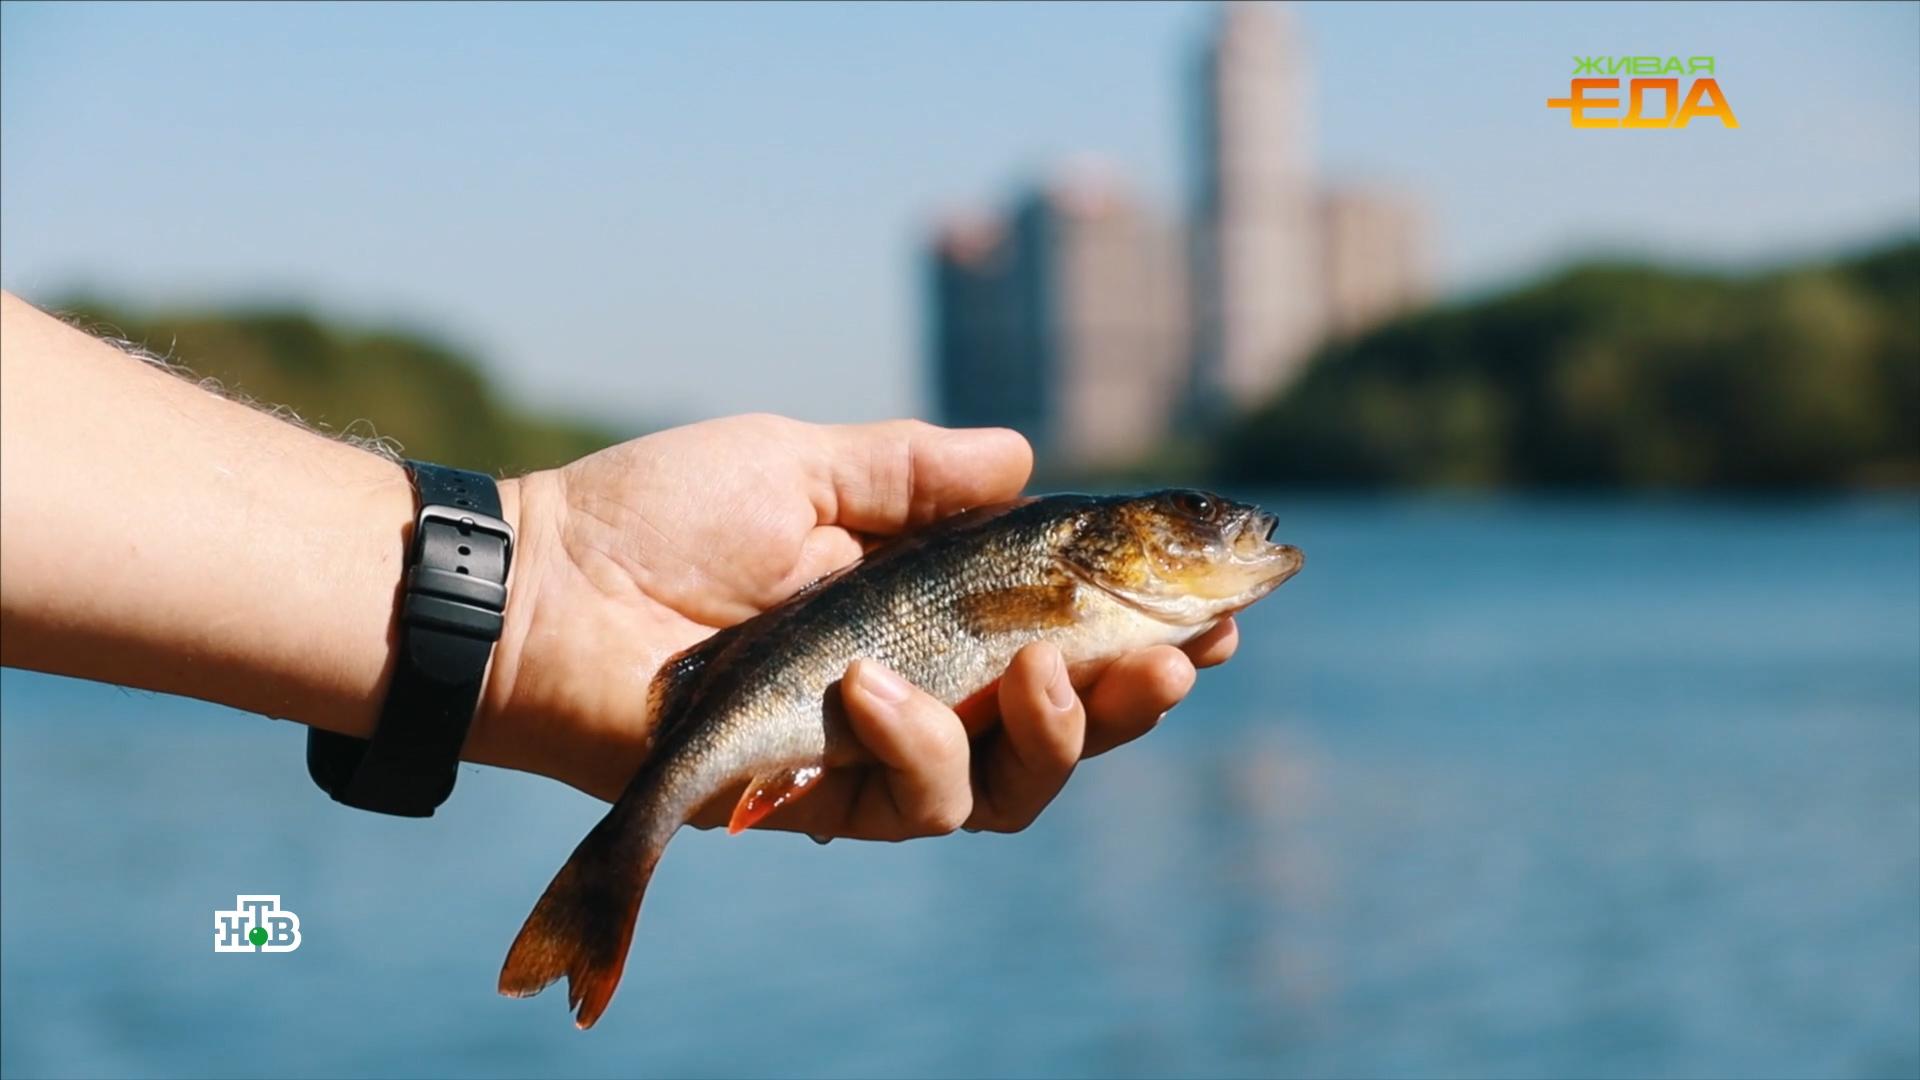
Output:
x=946 y=607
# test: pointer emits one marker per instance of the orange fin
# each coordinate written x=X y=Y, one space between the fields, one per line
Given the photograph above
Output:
x=978 y=710
x=770 y=792
x=583 y=924
x=1024 y=607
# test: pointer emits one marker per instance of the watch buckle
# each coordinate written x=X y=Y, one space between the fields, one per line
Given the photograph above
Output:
x=466 y=521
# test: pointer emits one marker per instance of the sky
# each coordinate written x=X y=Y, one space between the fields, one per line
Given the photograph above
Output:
x=646 y=213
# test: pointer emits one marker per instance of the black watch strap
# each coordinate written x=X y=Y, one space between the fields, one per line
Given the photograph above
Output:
x=450 y=616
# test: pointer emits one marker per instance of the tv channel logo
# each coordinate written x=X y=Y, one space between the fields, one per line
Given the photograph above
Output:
x=257 y=923
x=1649 y=79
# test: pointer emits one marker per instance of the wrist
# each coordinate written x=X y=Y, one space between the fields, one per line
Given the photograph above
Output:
x=567 y=693
x=494 y=739
x=448 y=622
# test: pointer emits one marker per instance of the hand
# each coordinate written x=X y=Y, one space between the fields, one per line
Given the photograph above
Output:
x=630 y=555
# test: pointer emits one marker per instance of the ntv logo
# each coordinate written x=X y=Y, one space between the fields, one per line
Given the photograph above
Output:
x=256 y=924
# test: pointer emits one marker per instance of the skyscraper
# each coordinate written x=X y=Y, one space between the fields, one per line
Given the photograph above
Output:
x=1068 y=322
x=1085 y=322
x=1375 y=257
x=1258 y=255
x=986 y=368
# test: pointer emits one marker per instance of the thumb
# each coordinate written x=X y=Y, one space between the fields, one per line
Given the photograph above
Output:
x=881 y=478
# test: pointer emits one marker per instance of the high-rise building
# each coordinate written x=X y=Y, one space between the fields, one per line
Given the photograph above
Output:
x=1258 y=255
x=986 y=373
x=1067 y=323
x=1375 y=258
x=1089 y=325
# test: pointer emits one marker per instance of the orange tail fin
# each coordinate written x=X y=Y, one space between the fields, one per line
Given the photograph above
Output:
x=583 y=924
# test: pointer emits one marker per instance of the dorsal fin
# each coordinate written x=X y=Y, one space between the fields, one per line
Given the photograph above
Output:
x=674 y=686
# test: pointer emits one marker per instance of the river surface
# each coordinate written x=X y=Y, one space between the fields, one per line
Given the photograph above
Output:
x=1495 y=788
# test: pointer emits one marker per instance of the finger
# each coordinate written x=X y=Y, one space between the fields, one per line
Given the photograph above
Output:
x=1024 y=765
x=1133 y=694
x=924 y=784
x=1215 y=647
x=826 y=549
x=880 y=478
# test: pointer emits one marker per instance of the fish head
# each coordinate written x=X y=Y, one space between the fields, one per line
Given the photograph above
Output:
x=1184 y=557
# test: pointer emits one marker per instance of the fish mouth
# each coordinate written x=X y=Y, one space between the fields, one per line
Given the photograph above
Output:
x=1249 y=567
x=1264 y=564
x=1251 y=543
x=1288 y=560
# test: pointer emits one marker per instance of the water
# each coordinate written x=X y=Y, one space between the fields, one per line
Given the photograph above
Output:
x=1498 y=789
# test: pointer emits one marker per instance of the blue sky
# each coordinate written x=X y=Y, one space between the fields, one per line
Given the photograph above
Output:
x=672 y=211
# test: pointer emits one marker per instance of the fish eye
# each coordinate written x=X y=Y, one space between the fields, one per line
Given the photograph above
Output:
x=1194 y=504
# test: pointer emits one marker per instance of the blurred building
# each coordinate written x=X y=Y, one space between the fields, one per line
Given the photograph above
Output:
x=1258 y=259
x=983 y=376
x=1375 y=258
x=1066 y=321
x=1088 y=324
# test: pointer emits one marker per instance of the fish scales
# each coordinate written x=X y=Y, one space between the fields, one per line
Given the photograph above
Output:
x=901 y=612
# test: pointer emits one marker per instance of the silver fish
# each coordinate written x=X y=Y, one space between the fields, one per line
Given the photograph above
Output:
x=947 y=608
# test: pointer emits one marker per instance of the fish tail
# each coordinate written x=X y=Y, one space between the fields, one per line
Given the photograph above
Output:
x=583 y=924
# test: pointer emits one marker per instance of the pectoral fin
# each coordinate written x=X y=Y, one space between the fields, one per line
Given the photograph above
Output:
x=1025 y=607
x=770 y=792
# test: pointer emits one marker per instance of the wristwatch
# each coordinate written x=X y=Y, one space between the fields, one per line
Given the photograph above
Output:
x=450 y=616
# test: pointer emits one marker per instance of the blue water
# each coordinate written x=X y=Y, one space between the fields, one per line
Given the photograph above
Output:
x=1494 y=789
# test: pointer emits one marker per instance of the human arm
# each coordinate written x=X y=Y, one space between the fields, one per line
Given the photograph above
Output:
x=160 y=536
x=156 y=535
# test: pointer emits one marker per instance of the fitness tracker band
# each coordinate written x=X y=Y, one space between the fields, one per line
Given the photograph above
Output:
x=450 y=617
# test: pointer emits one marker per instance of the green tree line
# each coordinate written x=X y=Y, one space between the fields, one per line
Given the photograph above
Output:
x=1604 y=376
x=424 y=395
x=1615 y=376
